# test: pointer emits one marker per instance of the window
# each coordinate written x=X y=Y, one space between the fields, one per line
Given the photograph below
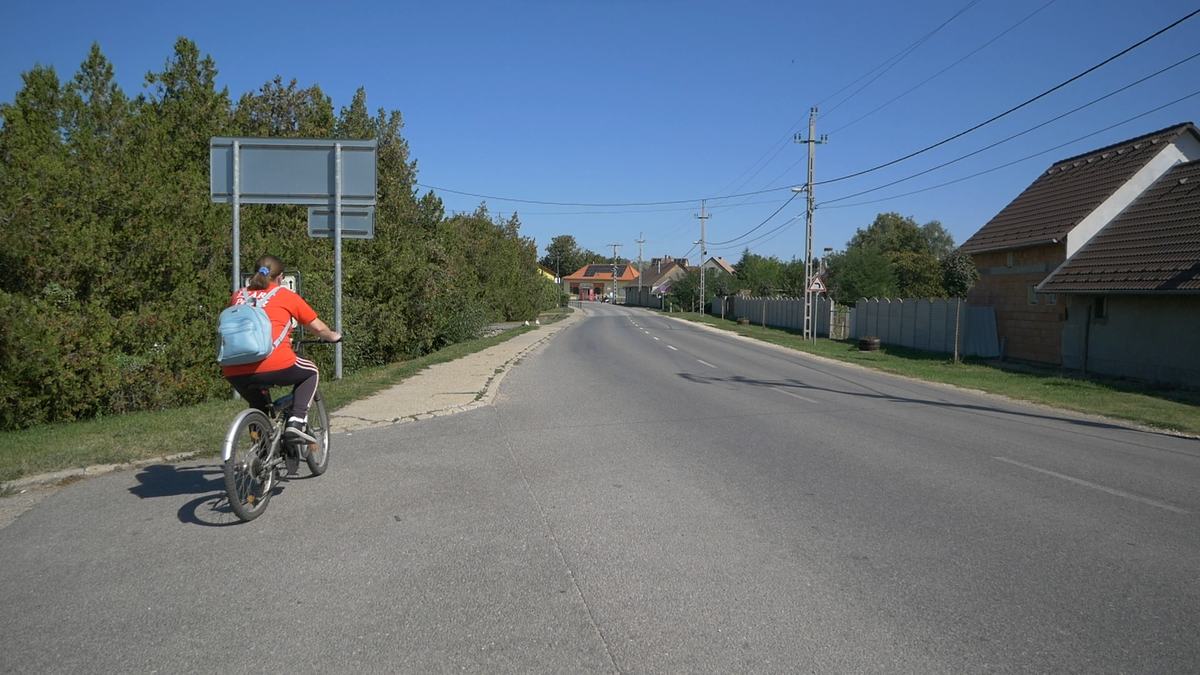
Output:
x=1033 y=294
x=1009 y=262
x=1052 y=298
x=1100 y=308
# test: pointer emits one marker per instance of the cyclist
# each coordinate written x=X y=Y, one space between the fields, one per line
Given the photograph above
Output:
x=282 y=367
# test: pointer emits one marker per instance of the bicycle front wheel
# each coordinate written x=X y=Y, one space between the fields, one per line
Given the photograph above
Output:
x=249 y=476
x=318 y=426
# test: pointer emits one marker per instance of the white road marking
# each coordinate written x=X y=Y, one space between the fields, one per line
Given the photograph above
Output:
x=1080 y=481
x=793 y=395
x=670 y=347
x=655 y=338
x=706 y=363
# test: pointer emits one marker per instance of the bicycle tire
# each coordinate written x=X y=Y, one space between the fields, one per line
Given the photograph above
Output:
x=318 y=426
x=249 y=480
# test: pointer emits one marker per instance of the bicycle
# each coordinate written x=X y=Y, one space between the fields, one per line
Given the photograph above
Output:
x=256 y=455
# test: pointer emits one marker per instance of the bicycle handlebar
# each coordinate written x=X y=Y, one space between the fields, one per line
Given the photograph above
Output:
x=320 y=341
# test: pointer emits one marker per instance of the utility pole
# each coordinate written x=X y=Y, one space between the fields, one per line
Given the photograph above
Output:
x=809 y=296
x=703 y=251
x=614 y=288
x=641 y=240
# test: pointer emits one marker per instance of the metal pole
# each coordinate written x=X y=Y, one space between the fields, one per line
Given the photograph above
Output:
x=337 y=257
x=237 y=220
x=237 y=226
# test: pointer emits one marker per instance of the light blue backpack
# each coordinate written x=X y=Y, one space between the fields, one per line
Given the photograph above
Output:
x=245 y=332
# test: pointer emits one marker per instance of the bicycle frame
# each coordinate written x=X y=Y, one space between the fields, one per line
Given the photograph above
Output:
x=274 y=415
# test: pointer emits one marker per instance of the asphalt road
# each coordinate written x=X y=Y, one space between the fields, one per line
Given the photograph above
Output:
x=645 y=496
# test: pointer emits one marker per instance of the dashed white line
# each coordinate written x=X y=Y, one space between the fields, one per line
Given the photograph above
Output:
x=1096 y=486
x=669 y=347
x=793 y=395
x=655 y=338
x=706 y=363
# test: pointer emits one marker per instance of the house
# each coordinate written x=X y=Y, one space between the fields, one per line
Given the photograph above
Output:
x=717 y=264
x=656 y=281
x=592 y=282
x=1095 y=265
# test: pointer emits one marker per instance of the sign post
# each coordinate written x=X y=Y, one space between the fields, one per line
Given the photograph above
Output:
x=817 y=287
x=333 y=173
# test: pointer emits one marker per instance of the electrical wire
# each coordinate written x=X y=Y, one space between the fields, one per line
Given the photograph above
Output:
x=1018 y=135
x=789 y=201
x=932 y=77
x=1017 y=161
x=1013 y=109
x=840 y=178
x=899 y=57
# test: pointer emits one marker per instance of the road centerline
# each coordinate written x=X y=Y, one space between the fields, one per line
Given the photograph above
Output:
x=1094 y=486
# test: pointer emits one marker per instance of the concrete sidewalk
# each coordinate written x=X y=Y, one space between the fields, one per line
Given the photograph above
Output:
x=442 y=389
x=446 y=388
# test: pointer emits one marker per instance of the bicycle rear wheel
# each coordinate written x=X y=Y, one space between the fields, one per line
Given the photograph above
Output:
x=318 y=426
x=249 y=476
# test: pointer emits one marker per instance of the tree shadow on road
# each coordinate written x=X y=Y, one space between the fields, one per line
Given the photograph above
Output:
x=796 y=385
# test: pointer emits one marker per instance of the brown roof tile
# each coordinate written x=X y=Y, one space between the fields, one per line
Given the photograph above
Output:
x=1154 y=246
x=1068 y=191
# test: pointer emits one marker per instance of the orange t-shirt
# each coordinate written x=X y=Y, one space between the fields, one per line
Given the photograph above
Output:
x=282 y=307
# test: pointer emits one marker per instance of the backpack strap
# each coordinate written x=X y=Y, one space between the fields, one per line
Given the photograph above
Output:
x=260 y=303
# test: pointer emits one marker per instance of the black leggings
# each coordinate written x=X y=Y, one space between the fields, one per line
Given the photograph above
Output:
x=302 y=376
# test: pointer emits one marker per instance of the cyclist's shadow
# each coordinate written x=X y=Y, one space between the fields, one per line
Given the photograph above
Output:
x=211 y=508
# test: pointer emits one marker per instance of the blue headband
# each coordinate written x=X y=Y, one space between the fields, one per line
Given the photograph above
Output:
x=265 y=271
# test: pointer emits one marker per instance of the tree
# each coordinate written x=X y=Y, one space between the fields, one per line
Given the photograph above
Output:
x=860 y=272
x=762 y=276
x=959 y=273
x=939 y=242
x=563 y=256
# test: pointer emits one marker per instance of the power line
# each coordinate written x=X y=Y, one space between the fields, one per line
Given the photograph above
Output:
x=896 y=59
x=1017 y=161
x=932 y=77
x=1018 y=135
x=840 y=178
x=751 y=230
x=1016 y=108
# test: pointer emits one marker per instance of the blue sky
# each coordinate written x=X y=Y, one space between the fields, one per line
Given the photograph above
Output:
x=632 y=106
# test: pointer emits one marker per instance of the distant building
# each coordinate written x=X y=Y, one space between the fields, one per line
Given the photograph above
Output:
x=592 y=282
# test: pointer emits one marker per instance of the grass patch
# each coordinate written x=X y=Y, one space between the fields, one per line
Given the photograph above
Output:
x=1158 y=406
x=199 y=429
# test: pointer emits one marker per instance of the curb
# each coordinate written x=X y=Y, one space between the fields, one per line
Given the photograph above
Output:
x=484 y=397
x=42 y=479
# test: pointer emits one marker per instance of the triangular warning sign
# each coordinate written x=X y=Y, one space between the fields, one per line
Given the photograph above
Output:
x=817 y=286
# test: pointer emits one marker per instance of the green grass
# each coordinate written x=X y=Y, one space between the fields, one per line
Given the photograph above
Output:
x=1162 y=407
x=196 y=429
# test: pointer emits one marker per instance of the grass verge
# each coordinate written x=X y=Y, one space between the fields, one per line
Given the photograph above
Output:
x=1162 y=407
x=199 y=428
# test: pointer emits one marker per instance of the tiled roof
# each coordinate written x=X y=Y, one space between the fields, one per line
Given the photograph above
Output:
x=654 y=275
x=1067 y=192
x=624 y=272
x=1153 y=246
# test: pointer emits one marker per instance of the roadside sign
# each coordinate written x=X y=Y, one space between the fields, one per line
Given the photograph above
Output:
x=290 y=280
x=357 y=222
x=291 y=171
x=817 y=286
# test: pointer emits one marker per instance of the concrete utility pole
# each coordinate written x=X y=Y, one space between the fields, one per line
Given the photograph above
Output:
x=809 y=296
x=703 y=251
x=614 y=288
x=641 y=240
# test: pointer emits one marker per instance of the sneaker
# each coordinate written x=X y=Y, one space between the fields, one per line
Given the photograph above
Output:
x=297 y=430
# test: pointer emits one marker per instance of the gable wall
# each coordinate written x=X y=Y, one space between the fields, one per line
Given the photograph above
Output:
x=1028 y=332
